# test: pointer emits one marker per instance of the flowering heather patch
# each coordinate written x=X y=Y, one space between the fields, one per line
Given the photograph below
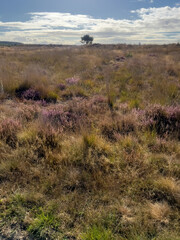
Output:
x=99 y=99
x=55 y=117
x=124 y=107
x=61 y=86
x=21 y=89
x=8 y=129
x=8 y=125
x=165 y=120
x=70 y=116
x=60 y=119
x=28 y=111
x=84 y=106
x=78 y=108
x=31 y=94
x=97 y=104
x=72 y=81
x=41 y=103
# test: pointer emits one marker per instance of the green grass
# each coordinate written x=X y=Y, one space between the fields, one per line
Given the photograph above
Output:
x=44 y=225
x=97 y=233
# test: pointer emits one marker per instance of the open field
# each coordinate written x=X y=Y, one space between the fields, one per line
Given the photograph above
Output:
x=89 y=142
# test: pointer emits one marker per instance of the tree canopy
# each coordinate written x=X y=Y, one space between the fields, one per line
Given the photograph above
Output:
x=87 y=39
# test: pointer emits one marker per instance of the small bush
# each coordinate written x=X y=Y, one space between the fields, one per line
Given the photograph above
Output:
x=164 y=120
x=61 y=86
x=30 y=91
x=57 y=118
x=31 y=94
x=22 y=89
x=97 y=104
x=171 y=72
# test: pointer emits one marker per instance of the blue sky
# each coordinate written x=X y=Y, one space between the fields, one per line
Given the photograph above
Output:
x=109 y=21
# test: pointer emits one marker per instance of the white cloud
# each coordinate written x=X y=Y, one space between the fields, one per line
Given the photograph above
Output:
x=151 y=1
x=153 y=25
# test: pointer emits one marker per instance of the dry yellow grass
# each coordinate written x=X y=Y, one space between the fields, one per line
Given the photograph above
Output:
x=160 y=211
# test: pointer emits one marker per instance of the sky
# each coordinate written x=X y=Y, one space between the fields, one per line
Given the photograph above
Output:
x=108 y=21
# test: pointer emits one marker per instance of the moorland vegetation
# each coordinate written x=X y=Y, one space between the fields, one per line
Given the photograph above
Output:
x=89 y=142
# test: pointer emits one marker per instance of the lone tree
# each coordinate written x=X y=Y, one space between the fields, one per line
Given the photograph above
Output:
x=87 y=39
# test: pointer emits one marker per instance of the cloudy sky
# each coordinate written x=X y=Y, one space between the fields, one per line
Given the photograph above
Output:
x=108 y=21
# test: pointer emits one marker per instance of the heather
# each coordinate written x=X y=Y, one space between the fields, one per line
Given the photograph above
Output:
x=89 y=142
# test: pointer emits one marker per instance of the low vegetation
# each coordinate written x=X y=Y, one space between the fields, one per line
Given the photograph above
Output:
x=89 y=142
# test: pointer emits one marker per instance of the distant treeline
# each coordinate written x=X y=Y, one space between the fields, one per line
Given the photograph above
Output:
x=96 y=45
x=5 y=43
